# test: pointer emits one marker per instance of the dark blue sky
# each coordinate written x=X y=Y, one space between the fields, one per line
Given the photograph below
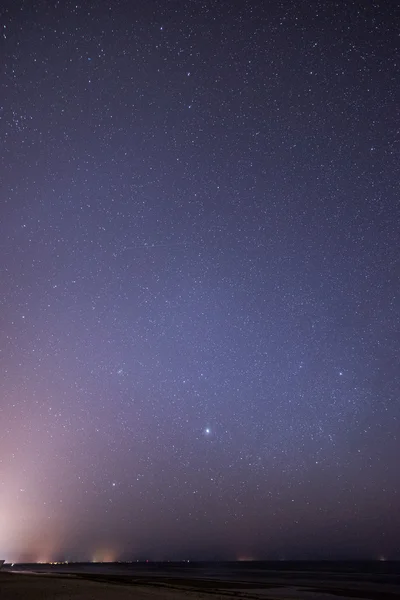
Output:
x=199 y=280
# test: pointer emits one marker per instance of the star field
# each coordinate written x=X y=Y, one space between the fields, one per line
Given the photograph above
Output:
x=199 y=280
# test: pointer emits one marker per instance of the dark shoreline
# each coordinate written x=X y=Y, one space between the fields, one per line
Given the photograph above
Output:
x=351 y=580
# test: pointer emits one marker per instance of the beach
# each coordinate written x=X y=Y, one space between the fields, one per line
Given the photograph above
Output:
x=311 y=585
x=52 y=587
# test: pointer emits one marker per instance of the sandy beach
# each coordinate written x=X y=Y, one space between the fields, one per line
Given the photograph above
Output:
x=50 y=587
x=34 y=586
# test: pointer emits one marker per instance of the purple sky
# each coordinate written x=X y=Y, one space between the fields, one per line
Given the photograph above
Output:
x=199 y=280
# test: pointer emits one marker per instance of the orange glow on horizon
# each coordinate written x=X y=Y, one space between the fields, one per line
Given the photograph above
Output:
x=104 y=556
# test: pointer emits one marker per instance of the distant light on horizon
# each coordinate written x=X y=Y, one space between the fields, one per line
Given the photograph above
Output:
x=245 y=559
x=104 y=556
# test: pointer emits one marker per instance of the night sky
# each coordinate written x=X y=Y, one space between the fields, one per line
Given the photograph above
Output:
x=199 y=280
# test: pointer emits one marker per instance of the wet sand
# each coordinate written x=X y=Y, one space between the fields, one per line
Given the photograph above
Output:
x=94 y=586
x=51 y=587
